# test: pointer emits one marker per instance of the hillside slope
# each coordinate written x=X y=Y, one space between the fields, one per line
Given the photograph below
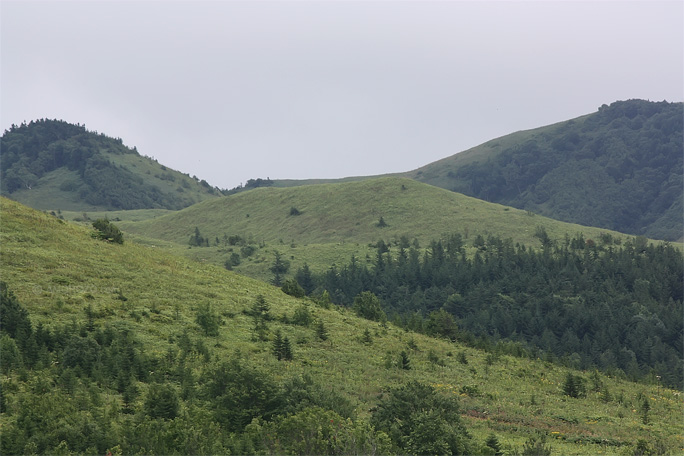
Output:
x=51 y=165
x=350 y=213
x=89 y=296
x=324 y=224
x=619 y=168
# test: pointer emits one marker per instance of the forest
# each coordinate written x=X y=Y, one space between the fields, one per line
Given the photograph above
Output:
x=586 y=303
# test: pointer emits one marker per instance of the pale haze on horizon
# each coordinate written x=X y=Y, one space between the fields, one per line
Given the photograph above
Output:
x=229 y=90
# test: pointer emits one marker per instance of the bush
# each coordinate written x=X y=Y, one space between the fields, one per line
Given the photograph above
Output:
x=367 y=305
x=420 y=421
x=292 y=288
x=208 y=320
x=107 y=231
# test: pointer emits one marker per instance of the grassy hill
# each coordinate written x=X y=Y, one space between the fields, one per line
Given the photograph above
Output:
x=64 y=276
x=334 y=221
x=619 y=168
x=54 y=165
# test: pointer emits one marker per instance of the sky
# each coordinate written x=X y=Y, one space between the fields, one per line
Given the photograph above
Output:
x=235 y=90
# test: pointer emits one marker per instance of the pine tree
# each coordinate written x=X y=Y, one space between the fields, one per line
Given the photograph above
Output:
x=287 y=349
x=321 y=332
x=404 y=361
x=367 y=338
x=278 y=345
x=281 y=347
x=645 y=408
x=493 y=443
x=279 y=268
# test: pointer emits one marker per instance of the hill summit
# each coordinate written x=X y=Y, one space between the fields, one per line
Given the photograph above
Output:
x=619 y=168
x=52 y=164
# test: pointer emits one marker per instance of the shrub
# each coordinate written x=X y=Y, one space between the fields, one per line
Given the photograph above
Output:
x=208 y=320
x=420 y=421
x=292 y=288
x=107 y=231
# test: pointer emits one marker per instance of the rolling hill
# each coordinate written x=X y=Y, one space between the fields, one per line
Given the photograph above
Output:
x=198 y=377
x=324 y=224
x=334 y=237
x=619 y=168
x=55 y=165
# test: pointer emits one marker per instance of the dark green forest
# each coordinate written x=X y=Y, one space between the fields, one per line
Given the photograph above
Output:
x=30 y=151
x=586 y=303
x=619 y=168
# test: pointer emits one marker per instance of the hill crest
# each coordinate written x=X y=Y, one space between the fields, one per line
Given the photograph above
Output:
x=55 y=165
x=619 y=168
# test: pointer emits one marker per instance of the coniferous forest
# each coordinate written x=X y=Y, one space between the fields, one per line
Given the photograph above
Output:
x=589 y=304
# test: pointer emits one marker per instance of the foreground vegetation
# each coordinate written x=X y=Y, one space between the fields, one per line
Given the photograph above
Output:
x=129 y=349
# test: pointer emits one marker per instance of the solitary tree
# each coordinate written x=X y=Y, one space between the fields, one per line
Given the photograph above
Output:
x=404 y=361
x=260 y=312
x=279 y=268
x=321 y=331
x=208 y=320
x=367 y=305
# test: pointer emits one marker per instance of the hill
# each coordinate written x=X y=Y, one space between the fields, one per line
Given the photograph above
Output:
x=619 y=168
x=325 y=224
x=130 y=349
x=55 y=165
x=350 y=213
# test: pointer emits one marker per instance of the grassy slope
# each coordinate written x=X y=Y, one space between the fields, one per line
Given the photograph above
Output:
x=56 y=268
x=340 y=219
x=166 y=179
x=437 y=173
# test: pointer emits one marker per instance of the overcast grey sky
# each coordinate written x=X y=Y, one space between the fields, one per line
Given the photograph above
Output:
x=229 y=90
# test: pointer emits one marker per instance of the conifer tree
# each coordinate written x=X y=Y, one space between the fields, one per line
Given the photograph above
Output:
x=404 y=361
x=321 y=331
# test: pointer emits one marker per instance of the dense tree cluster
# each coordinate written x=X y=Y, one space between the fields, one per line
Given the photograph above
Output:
x=620 y=168
x=32 y=150
x=589 y=303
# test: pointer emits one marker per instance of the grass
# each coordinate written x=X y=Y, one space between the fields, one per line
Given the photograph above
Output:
x=338 y=220
x=57 y=268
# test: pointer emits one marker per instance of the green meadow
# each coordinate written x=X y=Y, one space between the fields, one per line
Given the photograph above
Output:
x=325 y=224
